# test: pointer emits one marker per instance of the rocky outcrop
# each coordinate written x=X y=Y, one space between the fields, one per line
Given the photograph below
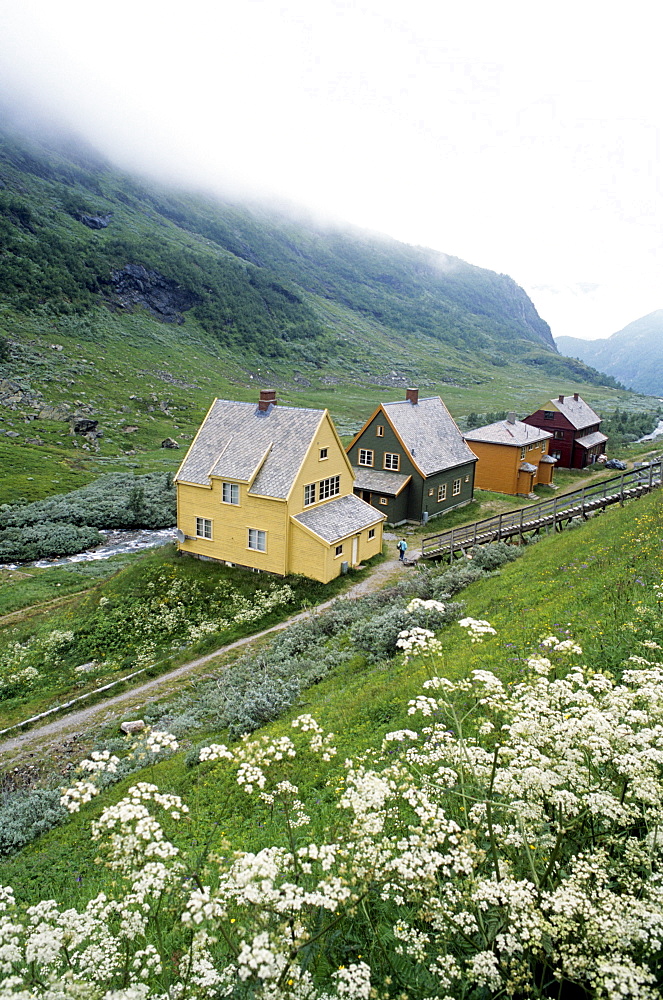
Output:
x=169 y=443
x=95 y=221
x=134 y=286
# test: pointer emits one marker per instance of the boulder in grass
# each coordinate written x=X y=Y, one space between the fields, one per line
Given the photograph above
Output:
x=128 y=728
x=169 y=443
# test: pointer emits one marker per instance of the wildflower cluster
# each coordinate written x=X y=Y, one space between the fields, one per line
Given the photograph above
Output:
x=477 y=628
x=510 y=847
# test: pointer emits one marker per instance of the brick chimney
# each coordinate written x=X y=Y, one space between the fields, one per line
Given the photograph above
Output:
x=575 y=396
x=267 y=398
x=412 y=395
x=561 y=399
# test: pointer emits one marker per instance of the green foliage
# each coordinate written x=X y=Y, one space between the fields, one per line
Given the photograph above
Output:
x=623 y=427
x=45 y=541
x=25 y=815
x=115 y=500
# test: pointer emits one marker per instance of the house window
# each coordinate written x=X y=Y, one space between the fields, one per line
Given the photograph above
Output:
x=379 y=430
x=371 y=533
x=330 y=487
x=556 y=454
x=230 y=493
x=456 y=490
x=559 y=435
x=392 y=460
x=203 y=527
x=339 y=550
x=309 y=494
x=324 y=453
x=442 y=493
x=548 y=415
x=532 y=447
x=431 y=491
x=522 y=452
x=365 y=456
x=257 y=540
x=384 y=501
x=544 y=447
x=467 y=479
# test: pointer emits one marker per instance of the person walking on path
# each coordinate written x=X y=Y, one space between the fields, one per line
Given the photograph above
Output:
x=402 y=549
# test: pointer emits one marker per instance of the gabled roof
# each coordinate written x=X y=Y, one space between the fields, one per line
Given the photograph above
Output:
x=505 y=432
x=339 y=518
x=263 y=448
x=577 y=411
x=429 y=433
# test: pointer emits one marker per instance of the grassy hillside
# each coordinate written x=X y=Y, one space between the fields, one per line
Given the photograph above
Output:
x=595 y=585
x=178 y=298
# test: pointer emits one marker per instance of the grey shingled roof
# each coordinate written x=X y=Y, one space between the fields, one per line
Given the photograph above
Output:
x=429 y=433
x=591 y=439
x=235 y=436
x=577 y=412
x=339 y=518
x=527 y=467
x=549 y=460
x=390 y=483
x=503 y=432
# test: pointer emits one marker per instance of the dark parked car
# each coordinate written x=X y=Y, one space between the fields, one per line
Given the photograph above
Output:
x=614 y=463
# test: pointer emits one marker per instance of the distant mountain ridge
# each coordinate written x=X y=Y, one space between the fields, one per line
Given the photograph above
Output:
x=633 y=355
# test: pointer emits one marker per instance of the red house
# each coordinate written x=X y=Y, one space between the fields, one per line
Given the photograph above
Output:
x=577 y=439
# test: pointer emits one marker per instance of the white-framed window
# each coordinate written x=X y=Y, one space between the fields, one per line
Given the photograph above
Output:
x=431 y=491
x=257 y=539
x=442 y=493
x=330 y=487
x=371 y=533
x=544 y=447
x=309 y=494
x=379 y=430
x=559 y=435
x=324 y=453
x=392 y=460
x=456 y=488
x=523 y=452
x=548 y=415
x=467 y=479
x=203 y=527
x=556 y=454
x=230 y=493
x=532 y=447
x=366 y=456
x=338 y=551
x=384 y=501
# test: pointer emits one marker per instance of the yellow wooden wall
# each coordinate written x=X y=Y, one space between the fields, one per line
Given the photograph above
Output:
x=230 y=524
x=314 y=469
x=498 y=465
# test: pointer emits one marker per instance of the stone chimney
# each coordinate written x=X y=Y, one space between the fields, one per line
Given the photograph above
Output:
x=575 y=396
x=412 y=395
x=511 y=417
x=561 y=399
x=267 y=398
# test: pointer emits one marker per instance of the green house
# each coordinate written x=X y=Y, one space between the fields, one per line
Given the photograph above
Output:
x=410 y=460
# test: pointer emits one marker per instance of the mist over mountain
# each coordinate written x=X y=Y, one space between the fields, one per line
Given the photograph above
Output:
x=633 y=355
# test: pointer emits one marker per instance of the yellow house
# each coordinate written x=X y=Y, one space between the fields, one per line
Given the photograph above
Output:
x=270 y=488
x=513 y=456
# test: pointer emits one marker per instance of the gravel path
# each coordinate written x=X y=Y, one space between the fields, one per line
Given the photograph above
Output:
x=50 y=734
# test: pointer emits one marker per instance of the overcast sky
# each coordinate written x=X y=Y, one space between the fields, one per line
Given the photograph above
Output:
x=521 y=136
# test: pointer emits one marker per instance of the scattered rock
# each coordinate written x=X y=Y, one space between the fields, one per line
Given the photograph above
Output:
x=95 y=221
x=169 y=443
x=82 y=425
x=132 y=727
x=37 y=441
x=129 y=429
x=13 y=434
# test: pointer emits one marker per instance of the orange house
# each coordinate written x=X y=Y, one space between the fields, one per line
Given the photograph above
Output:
x=513 y=457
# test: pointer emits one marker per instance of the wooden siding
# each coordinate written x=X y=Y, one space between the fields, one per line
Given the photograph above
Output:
x=314 y=469
x=498 y=467
x=230 y=524
x=316 y=559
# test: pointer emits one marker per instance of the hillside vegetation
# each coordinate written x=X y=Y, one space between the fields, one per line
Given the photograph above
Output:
x=133 y=306
x=492 y=833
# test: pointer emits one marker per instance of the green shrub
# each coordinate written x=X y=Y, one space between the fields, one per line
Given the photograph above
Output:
x=25 y=815
x=45 y=541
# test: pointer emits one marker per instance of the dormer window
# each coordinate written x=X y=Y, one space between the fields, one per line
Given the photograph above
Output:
x=230 y=493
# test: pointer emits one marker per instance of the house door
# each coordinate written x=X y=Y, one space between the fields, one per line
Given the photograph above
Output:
x=366 y=496
x=355 y=550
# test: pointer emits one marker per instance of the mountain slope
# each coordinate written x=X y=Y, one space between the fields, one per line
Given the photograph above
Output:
x=131 y=306
x=633 y=355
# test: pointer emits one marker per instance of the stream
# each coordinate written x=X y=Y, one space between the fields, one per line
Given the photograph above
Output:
x=117 y=540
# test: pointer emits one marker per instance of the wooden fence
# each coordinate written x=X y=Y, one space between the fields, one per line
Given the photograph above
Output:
x=555 y=512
